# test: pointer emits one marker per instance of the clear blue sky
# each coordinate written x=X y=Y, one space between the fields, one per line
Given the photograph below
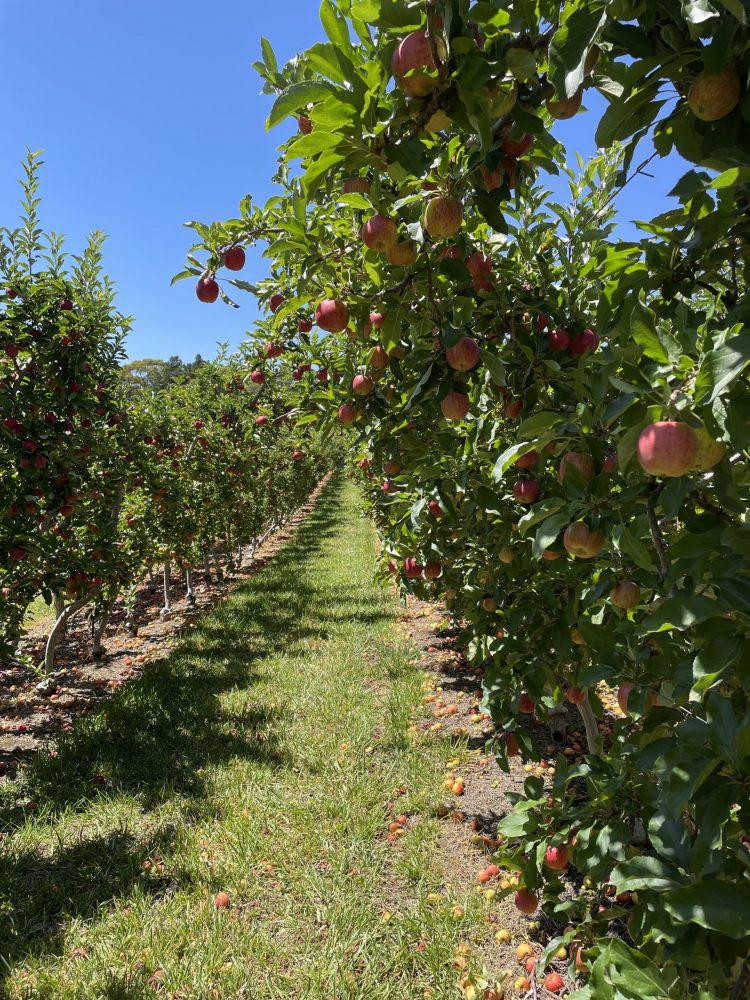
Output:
x=149 y=114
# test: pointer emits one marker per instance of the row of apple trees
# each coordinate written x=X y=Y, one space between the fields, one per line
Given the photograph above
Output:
x=552 y=423
x=97 y=487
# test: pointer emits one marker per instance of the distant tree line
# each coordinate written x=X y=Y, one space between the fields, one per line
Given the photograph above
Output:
x=154 y=374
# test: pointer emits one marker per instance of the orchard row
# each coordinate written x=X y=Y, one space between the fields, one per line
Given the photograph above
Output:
x=552 y=423
x=99 y=486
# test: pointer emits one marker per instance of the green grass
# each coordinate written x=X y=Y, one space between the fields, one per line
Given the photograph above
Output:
x=257 y=759
x=39 y=612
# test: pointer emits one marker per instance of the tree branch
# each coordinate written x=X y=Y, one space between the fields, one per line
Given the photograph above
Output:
x=659 y=543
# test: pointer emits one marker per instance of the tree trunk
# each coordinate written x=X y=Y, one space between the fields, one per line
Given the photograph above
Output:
x=593 y=736
x=166 y=611
x=153 y=586
x=100 y=626
x=207 y=566
x=217 y=565
x=59 y=627
x=190 y=594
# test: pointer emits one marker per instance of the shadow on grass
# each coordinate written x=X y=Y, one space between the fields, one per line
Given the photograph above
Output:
x=157 y=734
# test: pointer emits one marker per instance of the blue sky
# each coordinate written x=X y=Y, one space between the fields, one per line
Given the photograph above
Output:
x=149 y=114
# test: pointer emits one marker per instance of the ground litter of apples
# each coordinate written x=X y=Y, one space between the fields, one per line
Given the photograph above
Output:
x=475 y=801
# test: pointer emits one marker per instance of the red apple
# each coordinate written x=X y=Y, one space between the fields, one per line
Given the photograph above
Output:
x=626 y=595
x=433 y=570
x=412 y=54
x=558 y=340
x=261 y=420
x=525 y=901
x=332 y=316
x=305 y=325
x=379 y=233
x=207 y=289
x=582 y=461
x=297 y=455
x=527 y=461
x=526 y=491
x=575 y=695
x=258 y=377
x=356 y=185
x=402 y=254
x=623 y=693
x=275 y=302
x=526 y=704
x=586 y=341
x=609 y=464
x=347 y=414
x=412 y=569
x=379 y=357
x=362 y=385
x=464 y=355
x=511 y=744
x=455 y=406
x=477 y=264
x=391 y=467
x=377 y=319
x=553 y=982
x=18 y=553
x=234 y=258
x=517 y=147
x=435 y=509
x=667 y=448
x=304 y=124
x=273 y=350
x=556 y=858
x=11 y=293
x=322 y=375
x=580 y=541
x=443 y=217
x=513 y=408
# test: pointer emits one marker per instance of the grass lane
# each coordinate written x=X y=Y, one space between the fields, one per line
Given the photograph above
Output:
x=258 y=760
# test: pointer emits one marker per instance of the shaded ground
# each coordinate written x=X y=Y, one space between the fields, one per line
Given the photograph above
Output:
x=31 y=718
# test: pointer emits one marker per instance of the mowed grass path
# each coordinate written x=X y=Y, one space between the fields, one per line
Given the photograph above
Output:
x=258 y=760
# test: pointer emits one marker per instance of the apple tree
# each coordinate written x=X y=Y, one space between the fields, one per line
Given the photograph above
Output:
x=551 y=422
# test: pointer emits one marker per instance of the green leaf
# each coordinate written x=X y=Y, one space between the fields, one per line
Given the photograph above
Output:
x=629 y=545
x=623 y=118
x=334 y=25
x=544 y=421
x=548 y=532
x=509 y=456
x=539 y=512
x=570 y=45
x=293 y=100
x=682 y=613
x=269 y=57
x=655 y=343
x=494 y=366
x=723 y=907
x=721 y=367
x=645 y=873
